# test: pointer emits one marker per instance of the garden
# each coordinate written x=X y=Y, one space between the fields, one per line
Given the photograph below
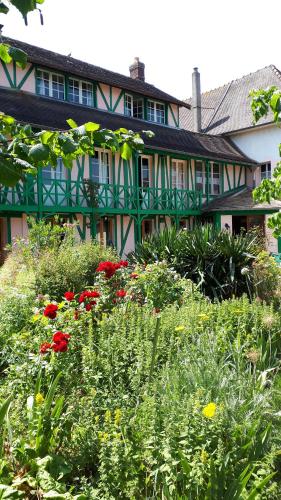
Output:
x=155 y=377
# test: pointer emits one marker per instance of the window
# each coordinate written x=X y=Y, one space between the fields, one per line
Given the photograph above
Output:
x=80 y=92
x=50 y=84
x=144 y=171
x=99 y=170
x=266 y=171
x=177 y=174
x=214 y=178
x=155 y=112
x=133 y=106
x=199 y=174
x=215 y=174
x=50 y=173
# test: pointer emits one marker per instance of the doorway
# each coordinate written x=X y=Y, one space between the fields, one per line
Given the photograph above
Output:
x=244 y=223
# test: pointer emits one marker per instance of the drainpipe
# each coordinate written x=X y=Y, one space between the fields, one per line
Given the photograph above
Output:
x=196 y=100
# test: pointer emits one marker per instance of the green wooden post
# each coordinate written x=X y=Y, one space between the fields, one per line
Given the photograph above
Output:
x=279 y=244
x=9 y=230
x=207 y=181
x=40 y=193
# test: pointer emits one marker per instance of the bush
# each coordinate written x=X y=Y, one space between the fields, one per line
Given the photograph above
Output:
x=217 y=261
x=69 y=268
x=267 y=278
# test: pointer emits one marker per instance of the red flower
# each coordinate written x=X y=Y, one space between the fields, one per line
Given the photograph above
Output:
x=61 y=346
x=134 y=275
x=87 y=294
x=69 y=296
x=109 y=268
x=121 y=294
x=45 y=347
x=123 y=263
x=89 y=306
x=59 y=336
x=50 y=311
x=94 y=294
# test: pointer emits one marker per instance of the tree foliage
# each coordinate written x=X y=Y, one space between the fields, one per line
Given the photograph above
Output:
x=265 y=101
x=23 y=150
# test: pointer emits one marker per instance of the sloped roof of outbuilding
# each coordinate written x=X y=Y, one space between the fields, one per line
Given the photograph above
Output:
x=228 y=108
x=240 y=201
x=50 y=113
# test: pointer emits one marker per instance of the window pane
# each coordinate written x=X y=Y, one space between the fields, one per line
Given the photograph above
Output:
x=138 y=108
x=266 y=171
x=87 y=94
x=150 y=111
x=215 y=179
x=199 y=175
x=95 y=170
x=128 y=105
x=58 y=86
x=73 y=90
x=160 y=113
x=145 y=172
x=43 y=83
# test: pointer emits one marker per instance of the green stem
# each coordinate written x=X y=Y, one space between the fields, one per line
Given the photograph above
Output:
x=154 y=348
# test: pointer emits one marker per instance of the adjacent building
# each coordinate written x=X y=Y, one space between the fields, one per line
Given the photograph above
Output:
x=179 y=175
x=226 y=111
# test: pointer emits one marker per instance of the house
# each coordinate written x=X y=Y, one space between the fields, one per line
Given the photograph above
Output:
x=226 y=111
x=178 y=175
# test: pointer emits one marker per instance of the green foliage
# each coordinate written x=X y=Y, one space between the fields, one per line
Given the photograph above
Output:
x=263 y=102
x=24 y=151
x=217 y=261
x=69 y=268
x=267 y=278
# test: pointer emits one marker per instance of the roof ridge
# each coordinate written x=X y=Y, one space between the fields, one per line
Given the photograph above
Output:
x=271 y=66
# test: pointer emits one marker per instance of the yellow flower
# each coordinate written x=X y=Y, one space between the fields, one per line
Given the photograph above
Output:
x=238 y=311
x=179 y=328
x=204 y=456
x=39 y=398
x=103 y=436
x=203 y=317
x=117 y=417
x=107 y=417
x=209 y=410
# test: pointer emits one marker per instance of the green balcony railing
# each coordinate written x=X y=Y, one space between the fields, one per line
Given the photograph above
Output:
x=65 y=195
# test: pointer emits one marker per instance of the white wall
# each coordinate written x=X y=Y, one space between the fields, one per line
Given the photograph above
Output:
x=260 y=144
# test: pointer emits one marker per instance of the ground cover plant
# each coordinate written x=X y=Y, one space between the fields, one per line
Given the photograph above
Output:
x=138 y=386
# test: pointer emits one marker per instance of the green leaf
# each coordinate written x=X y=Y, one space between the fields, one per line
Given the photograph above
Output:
x=3 y=8
x=4 y=408
x=10 y=171
x=260 y=487
x=25 y=6
x=91 y=126
x=4 y=53
x=71 y=123
x=46 y=136
x=126 y=151
x=19 y=56
x=67 y=145
x=39 y=152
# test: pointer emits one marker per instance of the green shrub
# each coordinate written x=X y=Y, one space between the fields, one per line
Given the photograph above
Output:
x=69 y=268
x=217 y=261
x=267 y=278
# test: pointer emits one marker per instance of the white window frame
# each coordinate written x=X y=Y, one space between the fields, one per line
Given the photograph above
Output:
x=129 y=103
x=197 y=188
x=104 y=160
x=267 y=172
x=151 y=110
x=51 y=75
x=80 y=91
x=148 y=158
x=178 y=179
x=211 y=179
x=57 y=173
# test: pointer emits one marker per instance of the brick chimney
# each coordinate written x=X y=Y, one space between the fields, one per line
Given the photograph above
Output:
x=196 y=100
x=137 y=70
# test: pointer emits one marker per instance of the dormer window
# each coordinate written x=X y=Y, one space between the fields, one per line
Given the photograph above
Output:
x=50 y=84
x=133 y=106
x=80 y=92
x=155 y=112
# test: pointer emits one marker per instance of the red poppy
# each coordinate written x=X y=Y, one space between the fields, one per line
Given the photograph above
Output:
x=61 y=346
x=109 y=268
x=69 y=296
x=45 y=347
x=50 y=311
x=59 y=336
x=123 y=263
x=121 y=294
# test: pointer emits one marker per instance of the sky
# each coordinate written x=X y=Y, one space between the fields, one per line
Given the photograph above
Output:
x=225 y=39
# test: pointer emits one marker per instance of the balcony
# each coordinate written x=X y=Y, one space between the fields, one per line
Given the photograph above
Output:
x=86 y=197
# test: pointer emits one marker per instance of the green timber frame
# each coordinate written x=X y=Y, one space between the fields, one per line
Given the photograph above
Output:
x=124 y=201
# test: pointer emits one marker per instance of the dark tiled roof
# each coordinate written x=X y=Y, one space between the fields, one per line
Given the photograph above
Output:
x=228 y=108
x=49 y=113
x=241 y=200
x=82 y=69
